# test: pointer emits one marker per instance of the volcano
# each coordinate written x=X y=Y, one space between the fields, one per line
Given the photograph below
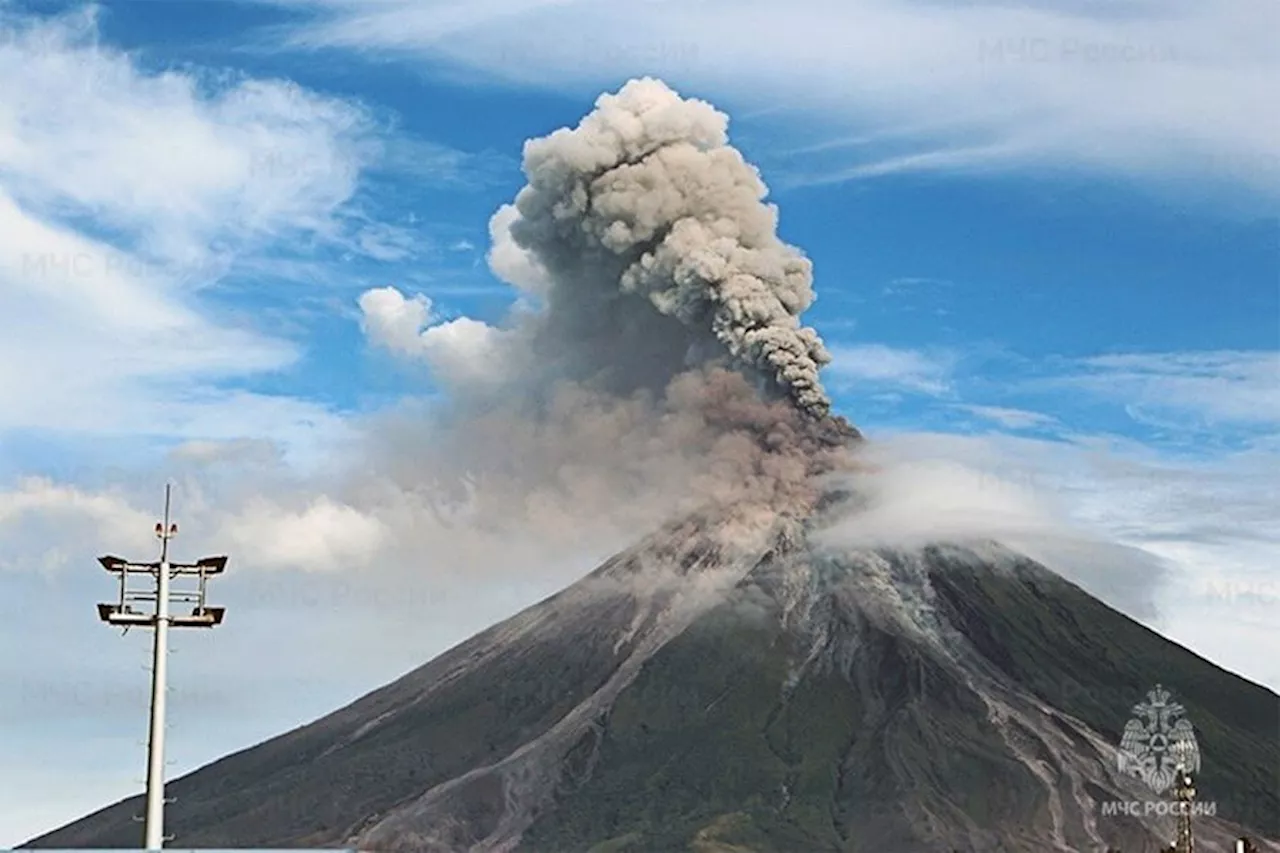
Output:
x=732 y=684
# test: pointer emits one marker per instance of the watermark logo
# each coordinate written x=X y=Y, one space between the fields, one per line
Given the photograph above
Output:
x=1157 y=808
x=72 y=266
x=1032 y=49
x=1240 y=591
x=651 y=55
x=1157 y=741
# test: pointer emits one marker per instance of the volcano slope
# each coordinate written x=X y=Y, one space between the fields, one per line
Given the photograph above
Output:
x=726 y=685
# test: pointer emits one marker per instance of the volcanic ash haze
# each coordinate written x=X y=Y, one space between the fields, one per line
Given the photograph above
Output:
x=656 y=362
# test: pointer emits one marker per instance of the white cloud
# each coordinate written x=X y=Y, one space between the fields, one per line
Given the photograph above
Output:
x=324 y=535
x=915 y=501
x=1199 y=389
x=109 y=335
x=329 y=595
x=394 y=322
x=1177 y=544
x=176 y=158
x=1180 y=545
x=861 y=365
x=40 y=519
x=85 y=337
x=383 y=242
x=459 y=351
x=1189 y=538
x=124 y=196
x=909 y=284
x=335 y=588
x=509 y=261
x=923 y=86
x=240 y=450
x=462 y=349
x=1009 y=418
x=431 y=164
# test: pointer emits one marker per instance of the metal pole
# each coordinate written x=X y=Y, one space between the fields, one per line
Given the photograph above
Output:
x=123 y=614
x=159 y=661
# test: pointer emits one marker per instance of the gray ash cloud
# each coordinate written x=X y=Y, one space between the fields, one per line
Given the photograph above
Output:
x=657 y=363
x=661 y=253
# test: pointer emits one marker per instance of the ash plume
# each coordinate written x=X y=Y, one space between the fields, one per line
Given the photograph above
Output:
x=661 y=253
x=656 y=362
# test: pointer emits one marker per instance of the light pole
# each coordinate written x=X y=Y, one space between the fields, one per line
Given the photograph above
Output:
x=123 y=613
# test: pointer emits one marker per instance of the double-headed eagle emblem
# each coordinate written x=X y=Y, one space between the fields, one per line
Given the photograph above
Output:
x=1157 y=741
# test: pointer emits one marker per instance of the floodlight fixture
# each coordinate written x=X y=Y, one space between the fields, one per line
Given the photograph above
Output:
x=203 y=566
x=213 y=565
x=201 y=617
x=112 y=563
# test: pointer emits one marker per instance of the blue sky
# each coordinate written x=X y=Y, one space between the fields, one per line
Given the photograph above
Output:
x=1045 y=249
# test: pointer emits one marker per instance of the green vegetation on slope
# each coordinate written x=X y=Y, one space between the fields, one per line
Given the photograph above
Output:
x=1086 y=659
x=705 y=751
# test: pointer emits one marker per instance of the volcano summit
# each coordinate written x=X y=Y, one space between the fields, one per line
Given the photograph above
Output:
x=737 y=680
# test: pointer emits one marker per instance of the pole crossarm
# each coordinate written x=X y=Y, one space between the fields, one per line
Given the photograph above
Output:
x=201 y=617
x=119 y=564
x=126 y=613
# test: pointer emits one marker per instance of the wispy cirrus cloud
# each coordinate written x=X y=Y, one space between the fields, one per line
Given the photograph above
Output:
x=1213 y=399
x=178 y=160
x=431 y=164
x=1201 y=390
x=1007 y=417
x=910 y=284
x=902 y=86
x=882 y=367
x=130 y=197
x=123 y=195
